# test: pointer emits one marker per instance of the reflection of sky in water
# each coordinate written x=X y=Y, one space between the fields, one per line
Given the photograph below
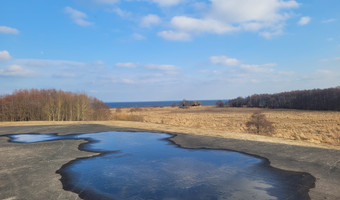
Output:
x=28 y=138
x=144 y=166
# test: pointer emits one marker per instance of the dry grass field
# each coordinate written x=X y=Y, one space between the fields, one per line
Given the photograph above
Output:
x=319 y=127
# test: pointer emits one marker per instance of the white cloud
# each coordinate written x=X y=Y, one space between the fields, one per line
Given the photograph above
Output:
x=126 y=65
x=16 y=71
x=48 y=63
x=137 y=36
x=167 y=3
x=110 y=2
x=4 y=55
x=78 y=17
x=241 y=11
x=121 y=12
x=227 y=16
x=98 y=62
x=8 y=30
x=258 y=68
x=199 y=6
x=150 y=20
x=254 y=81
x=175 y=35
x=224 y=60
x=128 y=81
x=324 y=72
x=328 y=20
x=286 y=73
x=189 y=24
x=211 y=72
x=260 y=10
x=54 y=70
x=251 y=26
x=270 y=34
x=304 y=21
x=64 y=75
x=162 y=67
x=330 y=59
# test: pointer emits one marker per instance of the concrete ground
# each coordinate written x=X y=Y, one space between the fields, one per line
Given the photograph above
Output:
x=28 y=171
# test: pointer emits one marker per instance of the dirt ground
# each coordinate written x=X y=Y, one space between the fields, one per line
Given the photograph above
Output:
x=28 y=171
x=318 y=127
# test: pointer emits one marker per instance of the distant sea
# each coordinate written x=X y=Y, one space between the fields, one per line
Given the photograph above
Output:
x=155 y=103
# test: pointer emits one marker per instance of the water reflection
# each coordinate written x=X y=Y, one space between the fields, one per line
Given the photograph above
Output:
x=29 y=138
x=145 y=166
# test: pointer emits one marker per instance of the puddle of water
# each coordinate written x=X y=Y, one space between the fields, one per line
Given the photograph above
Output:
x=29 y=138
x=146 y=166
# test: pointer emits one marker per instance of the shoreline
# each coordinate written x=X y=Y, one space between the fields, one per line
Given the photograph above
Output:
x=306 y=180
x=321 y=162
x=166 y=128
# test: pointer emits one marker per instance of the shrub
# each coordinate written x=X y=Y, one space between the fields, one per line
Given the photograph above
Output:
x=258 y=124
x=219 y=104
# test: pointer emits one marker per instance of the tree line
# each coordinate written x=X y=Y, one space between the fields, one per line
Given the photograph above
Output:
x=51 y=105
x=316 y=99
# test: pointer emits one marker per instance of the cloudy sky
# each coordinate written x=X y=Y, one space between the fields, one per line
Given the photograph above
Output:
x=141 y=50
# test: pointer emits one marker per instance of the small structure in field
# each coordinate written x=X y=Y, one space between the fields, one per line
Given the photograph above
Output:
x=187 y=104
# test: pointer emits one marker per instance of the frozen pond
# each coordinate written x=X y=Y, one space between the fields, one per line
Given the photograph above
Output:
x=141 y=165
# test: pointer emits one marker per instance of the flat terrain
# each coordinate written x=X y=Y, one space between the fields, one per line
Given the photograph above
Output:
x=318 y=127
x=28 y=171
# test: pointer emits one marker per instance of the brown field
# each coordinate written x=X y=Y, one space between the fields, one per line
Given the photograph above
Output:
x=294 y=127
x=318 y=127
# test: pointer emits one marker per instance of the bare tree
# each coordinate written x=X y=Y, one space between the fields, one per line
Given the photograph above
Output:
x=316 y=99
x=219 y=104
x=51 y=105
x=259 y=124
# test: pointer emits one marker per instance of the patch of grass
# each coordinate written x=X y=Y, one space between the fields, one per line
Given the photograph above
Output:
x=136 y=109
x=126 y=117
x=311 y=126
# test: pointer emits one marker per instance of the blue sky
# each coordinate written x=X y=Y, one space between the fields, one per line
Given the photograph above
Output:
x=142 y=50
